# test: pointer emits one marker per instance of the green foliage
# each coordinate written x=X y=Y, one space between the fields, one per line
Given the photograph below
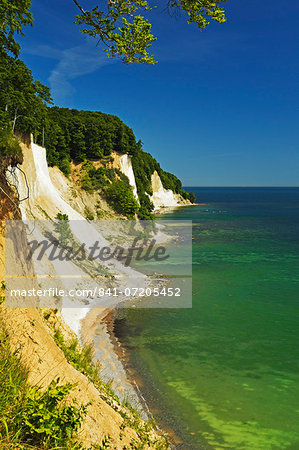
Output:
x=144 y=166
x=9 y=146
x=123 y=31
x=120 y=196
x=105 y=445
x=126 y=33
x=22 y=99
x=170 y=181
x=30 y=418
x=88 y=214
x=96 y=179
x=65 y=166
x=46 y=420
x=80 y=357
x=78 y=135
x=62 y=228
x=14 y=14
x=198 y=12
x=188 y=195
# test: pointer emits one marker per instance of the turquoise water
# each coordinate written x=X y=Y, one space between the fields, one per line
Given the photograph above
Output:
x=224 y=374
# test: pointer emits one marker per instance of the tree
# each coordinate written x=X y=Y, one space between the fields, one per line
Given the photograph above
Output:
x=62 y=228
x=78 y=141
x=21 y=97
x=14 y=14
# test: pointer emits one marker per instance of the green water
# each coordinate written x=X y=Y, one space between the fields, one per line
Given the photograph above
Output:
x=224 y=374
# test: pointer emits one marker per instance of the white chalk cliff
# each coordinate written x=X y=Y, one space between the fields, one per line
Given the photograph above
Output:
x=124 y=164
x=127 y=169
x=162 y=197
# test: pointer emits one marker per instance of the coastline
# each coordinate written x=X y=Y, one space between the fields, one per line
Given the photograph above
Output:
x=165 y=209
x=99 y=329
x=140 y=383
x=96 y=330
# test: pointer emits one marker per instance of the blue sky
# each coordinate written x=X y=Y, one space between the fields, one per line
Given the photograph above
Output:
x=221 y=108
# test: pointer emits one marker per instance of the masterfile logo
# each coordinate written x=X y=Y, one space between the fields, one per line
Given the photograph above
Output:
x=65 y=263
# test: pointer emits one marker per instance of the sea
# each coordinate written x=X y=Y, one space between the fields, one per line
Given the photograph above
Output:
x=224 y=374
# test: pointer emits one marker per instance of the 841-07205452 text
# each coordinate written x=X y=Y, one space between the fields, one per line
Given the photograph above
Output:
x=99 y=292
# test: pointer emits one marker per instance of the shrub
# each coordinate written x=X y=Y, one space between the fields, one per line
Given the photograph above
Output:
x=88 y=214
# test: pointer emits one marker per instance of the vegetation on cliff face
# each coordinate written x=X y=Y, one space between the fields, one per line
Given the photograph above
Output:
x=113 y=185
x=120 y=196
x=144 y=165
x=31 y=418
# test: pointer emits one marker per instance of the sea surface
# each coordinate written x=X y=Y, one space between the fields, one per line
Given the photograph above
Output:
x=225 y=374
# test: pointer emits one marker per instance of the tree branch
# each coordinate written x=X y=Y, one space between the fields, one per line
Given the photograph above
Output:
x=79 y=6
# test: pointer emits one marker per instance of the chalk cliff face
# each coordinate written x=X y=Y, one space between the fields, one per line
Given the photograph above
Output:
x=127 y=169
x=43 y=194
x=46 y=199
x=124 y=164
x=162 y=197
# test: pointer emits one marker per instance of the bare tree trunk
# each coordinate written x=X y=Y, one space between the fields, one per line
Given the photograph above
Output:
x=14 y=121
